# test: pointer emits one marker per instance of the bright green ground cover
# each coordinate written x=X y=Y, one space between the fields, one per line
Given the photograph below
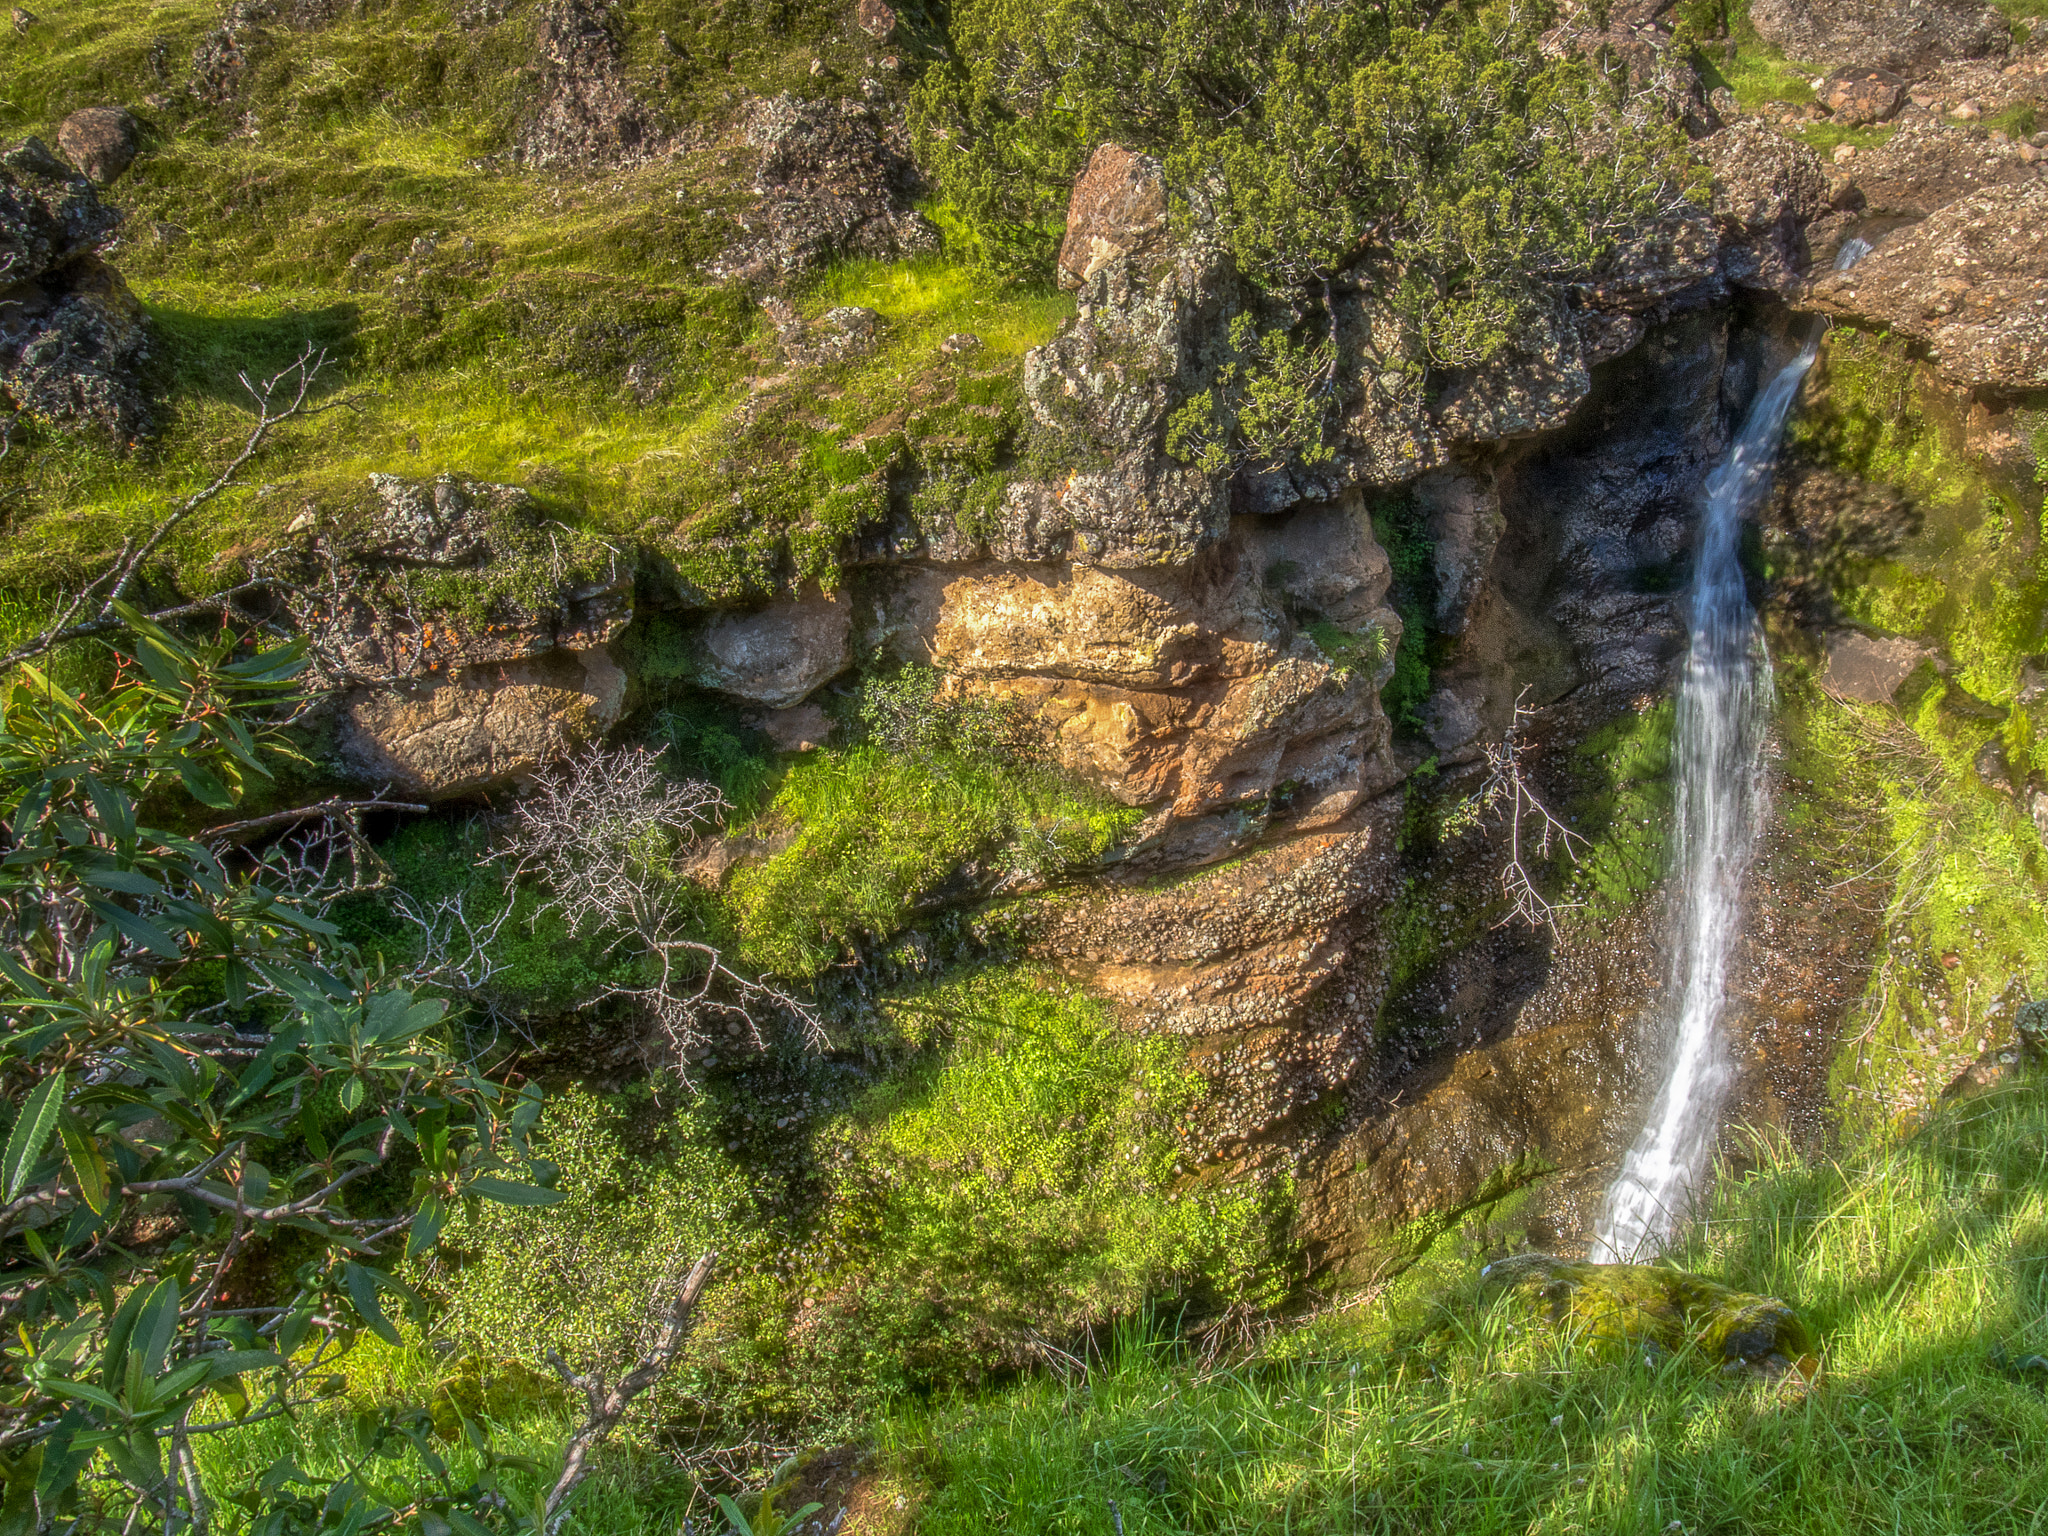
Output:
x=1921 y=1266
x=552 y=330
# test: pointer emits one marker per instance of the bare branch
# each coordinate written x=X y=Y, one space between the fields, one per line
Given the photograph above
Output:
x=600 y=836
x=608 y=1406
x=1509 y=795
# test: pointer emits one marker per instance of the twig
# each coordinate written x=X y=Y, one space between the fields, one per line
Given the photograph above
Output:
x=297 y=382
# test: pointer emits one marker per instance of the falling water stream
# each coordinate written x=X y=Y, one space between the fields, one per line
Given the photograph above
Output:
x=1723 y=709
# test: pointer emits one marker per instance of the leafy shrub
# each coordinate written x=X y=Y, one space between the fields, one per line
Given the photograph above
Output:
x=1444 y=139
x=1269 y=403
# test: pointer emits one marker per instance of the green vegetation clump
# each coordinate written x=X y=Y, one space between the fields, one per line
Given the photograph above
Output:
x=1402 y=528
x=1016 y=1182
x=944 y=799
x=1442 y=140
x=1626 y=815
x=1917 y=1267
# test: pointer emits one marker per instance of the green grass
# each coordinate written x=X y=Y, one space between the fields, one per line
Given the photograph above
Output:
x=1014 y=1178
x=553 y=331
x=877 y=833
x=1919 y=1267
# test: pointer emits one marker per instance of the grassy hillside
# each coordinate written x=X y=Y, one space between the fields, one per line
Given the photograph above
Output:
x=1922 y=1269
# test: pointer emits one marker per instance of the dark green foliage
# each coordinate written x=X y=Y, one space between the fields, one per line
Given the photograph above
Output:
x=1311 y=138
x=1270 y=402
x=192 y=1052
x=706 y=742
x=1401 y=527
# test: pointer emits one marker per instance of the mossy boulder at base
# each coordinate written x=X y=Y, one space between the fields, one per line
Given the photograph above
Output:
x=1655 y=1308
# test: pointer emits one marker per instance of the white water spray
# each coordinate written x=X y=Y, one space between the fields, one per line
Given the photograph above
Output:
x=1723 y=708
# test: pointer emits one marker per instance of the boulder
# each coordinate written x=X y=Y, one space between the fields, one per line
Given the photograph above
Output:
x=49 y=215
x=1906 y=37
x=100 y=141
x=478 y=727
x=1767 y=189
x=1970 y=283
x=1868 y=669
x=1859 y=97
x=832 y=182
x=1117 y=209
x=587 y=114
x=779 y=654
x=1652 y=1308
x=1925 y=165
x=72 y=337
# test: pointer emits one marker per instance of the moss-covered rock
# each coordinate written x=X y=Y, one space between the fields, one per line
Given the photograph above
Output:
x=1656 y=1309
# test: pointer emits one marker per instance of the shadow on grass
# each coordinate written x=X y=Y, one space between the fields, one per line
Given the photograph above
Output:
x=205 y=355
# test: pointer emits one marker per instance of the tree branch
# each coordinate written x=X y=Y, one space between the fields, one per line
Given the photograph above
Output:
x=608 y=1407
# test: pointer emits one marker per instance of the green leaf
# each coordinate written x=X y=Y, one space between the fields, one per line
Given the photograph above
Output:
x=115 y=810
x=426 y=1226
x=32 y=1132
x=508 y=1193
x=204 y=786
x=138 y=930
x=79 y=1392
x=234 y=1362
x=362 y=1287
x=88 y=1167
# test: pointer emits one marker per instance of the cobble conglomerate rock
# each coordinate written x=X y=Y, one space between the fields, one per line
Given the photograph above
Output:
x=1908 y=37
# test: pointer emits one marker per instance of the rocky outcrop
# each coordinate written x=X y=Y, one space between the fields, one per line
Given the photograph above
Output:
x=1767 y=189
x=585 y=113
x=1229 y=693
x=72 y=337
x=435 y=703
x=1860 y=97
x=1232 y=962
x=1925 y=165
x=482 y=726
x=1907 y=37
x=778 y=655
x=831 y=182
x=1970 y=283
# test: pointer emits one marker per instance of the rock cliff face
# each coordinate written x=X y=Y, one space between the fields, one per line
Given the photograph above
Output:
x=1215 y=646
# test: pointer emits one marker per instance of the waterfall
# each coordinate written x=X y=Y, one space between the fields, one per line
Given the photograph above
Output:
x=1723 y=709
